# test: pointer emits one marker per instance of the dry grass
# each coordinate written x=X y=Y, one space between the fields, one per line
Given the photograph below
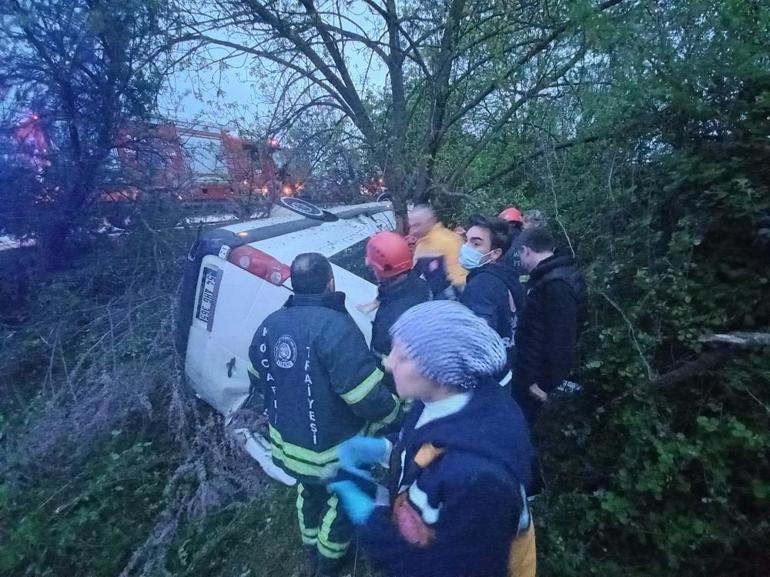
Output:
x=103 y=362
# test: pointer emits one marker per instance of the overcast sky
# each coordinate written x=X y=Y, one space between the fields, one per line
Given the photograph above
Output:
x=211 y=95
x=232 y=95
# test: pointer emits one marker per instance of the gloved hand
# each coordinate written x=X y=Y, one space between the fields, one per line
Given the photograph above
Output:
x=357 y=504
x=362 y=451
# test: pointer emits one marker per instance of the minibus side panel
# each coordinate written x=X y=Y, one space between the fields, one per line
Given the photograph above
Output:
x=226 y=317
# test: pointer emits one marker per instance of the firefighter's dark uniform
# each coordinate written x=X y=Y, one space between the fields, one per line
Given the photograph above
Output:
x=396 y=296
x=321 y=386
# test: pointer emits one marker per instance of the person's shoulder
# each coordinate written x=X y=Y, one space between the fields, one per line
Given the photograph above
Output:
x=488 y=280
x=316 y=315
x=422 y=286
x=557 y=286
x=467 y=470
x=275 y=317
x=447 y=235
x=334 y=331
x=418 y=291
x=335 y=316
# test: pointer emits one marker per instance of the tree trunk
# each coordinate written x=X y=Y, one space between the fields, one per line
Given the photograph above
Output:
x=394 y=141
x=52 y=243
x=394 y=180
x=440 y=90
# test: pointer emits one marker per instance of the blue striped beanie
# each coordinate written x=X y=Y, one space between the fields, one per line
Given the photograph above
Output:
x=450 y=344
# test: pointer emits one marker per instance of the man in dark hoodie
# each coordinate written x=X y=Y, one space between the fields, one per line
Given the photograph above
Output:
x=548 y=328
x=492 y=290
x=456 y=503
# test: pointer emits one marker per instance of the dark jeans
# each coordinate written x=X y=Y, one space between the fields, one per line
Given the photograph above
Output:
x=531 y=408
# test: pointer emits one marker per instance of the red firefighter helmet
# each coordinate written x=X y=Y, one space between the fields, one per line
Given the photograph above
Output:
x=512 y=214
x=388 y=254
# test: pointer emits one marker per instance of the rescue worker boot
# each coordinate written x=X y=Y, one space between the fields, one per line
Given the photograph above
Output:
x=310 y=563
x=334 y=568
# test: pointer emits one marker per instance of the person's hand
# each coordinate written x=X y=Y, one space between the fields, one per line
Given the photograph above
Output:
x=359 y=451
x=357 y=504
x=538 y=393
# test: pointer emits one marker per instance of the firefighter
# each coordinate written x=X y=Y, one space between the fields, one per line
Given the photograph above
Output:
x=515 y=220
x=512 y=216
x=492 y=291
x=437 y=253
x=457 y=502
x=399 y=288
x=321 y=386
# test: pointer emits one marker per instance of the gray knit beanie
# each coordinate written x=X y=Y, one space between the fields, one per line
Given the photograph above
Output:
x=450 y=344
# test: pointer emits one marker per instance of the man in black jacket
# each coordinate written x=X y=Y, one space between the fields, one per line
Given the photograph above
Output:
x=548 y=328
x=321 y=386
x=492 y=290
x=399 y=288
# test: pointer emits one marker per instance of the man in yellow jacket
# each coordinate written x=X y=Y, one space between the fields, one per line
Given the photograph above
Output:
x=436 y=255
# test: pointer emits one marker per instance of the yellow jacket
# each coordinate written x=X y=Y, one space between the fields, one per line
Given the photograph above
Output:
x=442 y=246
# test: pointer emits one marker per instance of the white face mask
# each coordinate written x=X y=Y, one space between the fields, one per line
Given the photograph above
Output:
x=470 y=258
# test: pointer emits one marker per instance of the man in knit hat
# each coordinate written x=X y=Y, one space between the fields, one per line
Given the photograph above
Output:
x=459 y=467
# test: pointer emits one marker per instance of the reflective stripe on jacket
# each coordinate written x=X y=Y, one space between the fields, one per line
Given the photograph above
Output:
x=320 y=382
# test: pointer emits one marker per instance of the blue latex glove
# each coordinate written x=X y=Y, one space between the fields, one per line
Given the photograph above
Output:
x=359 y=451
x=357 y=504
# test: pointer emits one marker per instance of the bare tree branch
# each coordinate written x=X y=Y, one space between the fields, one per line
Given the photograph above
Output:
x=538 y=48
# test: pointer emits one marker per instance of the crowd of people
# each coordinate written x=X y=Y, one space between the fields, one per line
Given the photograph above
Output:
x=418 y=448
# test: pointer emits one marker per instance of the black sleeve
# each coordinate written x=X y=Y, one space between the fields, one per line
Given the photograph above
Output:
x=561 y=334
x=354 y=373
x=530 y=352
x=519 y=294
x=383 y=320
x=259 y=362
x=482 y=299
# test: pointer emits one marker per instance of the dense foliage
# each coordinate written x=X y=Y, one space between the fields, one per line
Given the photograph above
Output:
x=651 y=472
x=651 y=158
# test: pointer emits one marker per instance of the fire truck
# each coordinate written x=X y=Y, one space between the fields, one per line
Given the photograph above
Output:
x=203 y=164
x=197 y=165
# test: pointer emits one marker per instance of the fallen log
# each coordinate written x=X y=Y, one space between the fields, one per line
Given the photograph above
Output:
x=721 y=348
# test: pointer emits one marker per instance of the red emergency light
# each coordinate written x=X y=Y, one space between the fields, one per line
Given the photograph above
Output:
x=260 y=264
